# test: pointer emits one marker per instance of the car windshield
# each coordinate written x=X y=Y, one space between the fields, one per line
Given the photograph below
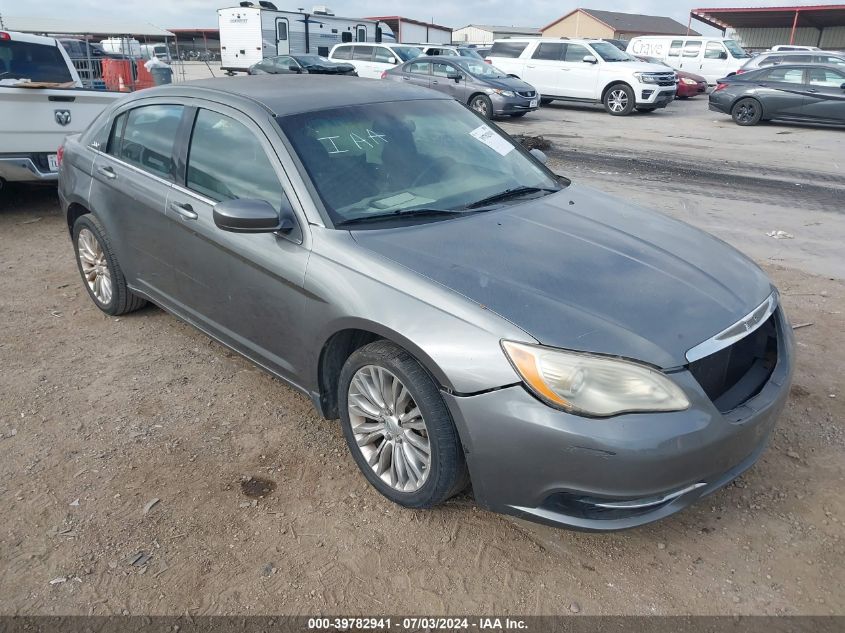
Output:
x=469 y=52
x=609 y=53
x=305 y=60
x=36 y=62
x=736 y=50
x=479 y=68
x=406 y=53
x=402 y=157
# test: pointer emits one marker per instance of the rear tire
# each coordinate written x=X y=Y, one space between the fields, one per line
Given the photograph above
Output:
x=747 y=112
x=100 y=270
x=619 y=100
x=398 y=427
x=482 y=105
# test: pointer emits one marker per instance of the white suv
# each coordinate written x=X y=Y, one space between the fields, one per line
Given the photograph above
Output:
x=586 y=71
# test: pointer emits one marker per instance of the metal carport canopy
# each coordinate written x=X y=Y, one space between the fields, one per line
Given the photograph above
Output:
x=817 y=16
x=86 y=26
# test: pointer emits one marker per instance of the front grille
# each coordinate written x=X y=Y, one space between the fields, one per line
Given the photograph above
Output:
x=738 y=372
x=528 y=94
x=667 y=79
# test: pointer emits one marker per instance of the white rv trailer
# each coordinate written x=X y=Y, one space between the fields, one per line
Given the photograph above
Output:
x=251 y=32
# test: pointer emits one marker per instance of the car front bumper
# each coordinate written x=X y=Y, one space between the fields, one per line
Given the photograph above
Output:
x=653 y=96
x=542 y=464
x=513 y=105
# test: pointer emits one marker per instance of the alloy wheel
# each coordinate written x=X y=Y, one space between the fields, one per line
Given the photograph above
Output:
x=745 y=112
x=95 y=267
x=480 y=106
x=389 y=428
x=618 y=100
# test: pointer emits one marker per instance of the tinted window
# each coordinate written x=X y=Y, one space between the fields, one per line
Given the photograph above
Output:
x=342 y=52
x=786 y=75
x=609 y=53
x=36 y=62
x=406 y=53
x=226 y=161
x=836 y=61
x=383 y=55
x=692 y=49
x=507 y=49
x=798 y=59
x=771 y=60
x=284 y=63
x=826 y=78
x=148 y=138
x=440 y=69
x=363 y=53
x=714 y=50
x=418 y=68
x=547 y=50
x=675 y=48
x=575 y=53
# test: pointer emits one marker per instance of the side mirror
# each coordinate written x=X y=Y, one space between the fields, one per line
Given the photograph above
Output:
x=539 y=155
x=391 y=60
x=293 y=68
x=590 y=59
x=723 y=55
x=456 y=76
x=252 y=216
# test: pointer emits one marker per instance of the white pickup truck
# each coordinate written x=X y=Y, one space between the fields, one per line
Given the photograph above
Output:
x=41 y=102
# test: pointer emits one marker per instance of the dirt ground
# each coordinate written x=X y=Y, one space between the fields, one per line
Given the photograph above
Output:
x=100 y=417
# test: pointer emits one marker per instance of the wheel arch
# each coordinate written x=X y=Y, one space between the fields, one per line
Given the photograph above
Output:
x=349 y=336
x=75 y=210
x=616 y=83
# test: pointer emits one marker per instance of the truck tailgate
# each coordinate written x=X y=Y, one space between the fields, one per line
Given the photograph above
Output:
x=38 y=119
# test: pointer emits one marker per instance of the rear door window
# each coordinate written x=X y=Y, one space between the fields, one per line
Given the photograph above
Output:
x=785 y=75
x=36 y=62
x=342 y=52
x=692 y=49
x=148 y=137
x=439 y=69
x=212 y=172
x=507 y=49
x=549 y=51
x=825 y=78
x=362 y=53
x=419 y=68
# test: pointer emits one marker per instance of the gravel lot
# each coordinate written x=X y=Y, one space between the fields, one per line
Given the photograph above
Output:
x=101 y=416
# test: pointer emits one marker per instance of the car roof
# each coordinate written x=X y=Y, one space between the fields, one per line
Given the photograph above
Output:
x=282 y=95
x=798 y=67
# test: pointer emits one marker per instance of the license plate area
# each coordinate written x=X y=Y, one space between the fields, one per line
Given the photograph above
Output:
x=533 y=103
x=52 y=162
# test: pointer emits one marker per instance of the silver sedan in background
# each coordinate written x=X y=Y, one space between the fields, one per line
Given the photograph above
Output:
x=470 y=316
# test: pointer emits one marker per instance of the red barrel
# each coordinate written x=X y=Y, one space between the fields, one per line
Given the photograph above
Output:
x=117 y=73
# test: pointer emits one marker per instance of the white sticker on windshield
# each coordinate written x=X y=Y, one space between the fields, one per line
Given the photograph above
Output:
x=492 y=140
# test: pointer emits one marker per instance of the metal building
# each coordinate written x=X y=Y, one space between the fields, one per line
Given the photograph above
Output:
x=484 y=34
x=760 y=28
x=416 y=31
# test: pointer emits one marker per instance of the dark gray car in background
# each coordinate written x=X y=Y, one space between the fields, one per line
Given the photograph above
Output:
x=483 y=87
x=786 y=92
x=470 y=316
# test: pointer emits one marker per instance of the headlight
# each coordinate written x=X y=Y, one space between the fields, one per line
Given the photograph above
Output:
x=688 y=81
x=646 y=78
x=593 y=385
x=499 y=91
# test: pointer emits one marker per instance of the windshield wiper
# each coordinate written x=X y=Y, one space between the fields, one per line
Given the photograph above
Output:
x=393 y=215
x=509 y=193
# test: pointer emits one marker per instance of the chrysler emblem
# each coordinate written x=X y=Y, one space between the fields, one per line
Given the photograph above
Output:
x=62 y=117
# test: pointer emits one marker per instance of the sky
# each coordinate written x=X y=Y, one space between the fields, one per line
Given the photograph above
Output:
x=534 y=13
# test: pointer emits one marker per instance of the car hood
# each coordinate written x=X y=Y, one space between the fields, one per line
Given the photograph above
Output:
x=508 y=83
x=585 y=271
x=642 y=67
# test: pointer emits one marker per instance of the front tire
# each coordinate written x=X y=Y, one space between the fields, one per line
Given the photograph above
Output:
x=100 y=270
x=398 y=428
x=482 y=105
x=747 y=112
x=619 y=100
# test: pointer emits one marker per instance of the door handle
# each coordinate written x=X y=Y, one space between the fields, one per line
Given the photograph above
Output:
x=531 y=67
x=108 y=172
x=184 y=210
x=813 y=90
